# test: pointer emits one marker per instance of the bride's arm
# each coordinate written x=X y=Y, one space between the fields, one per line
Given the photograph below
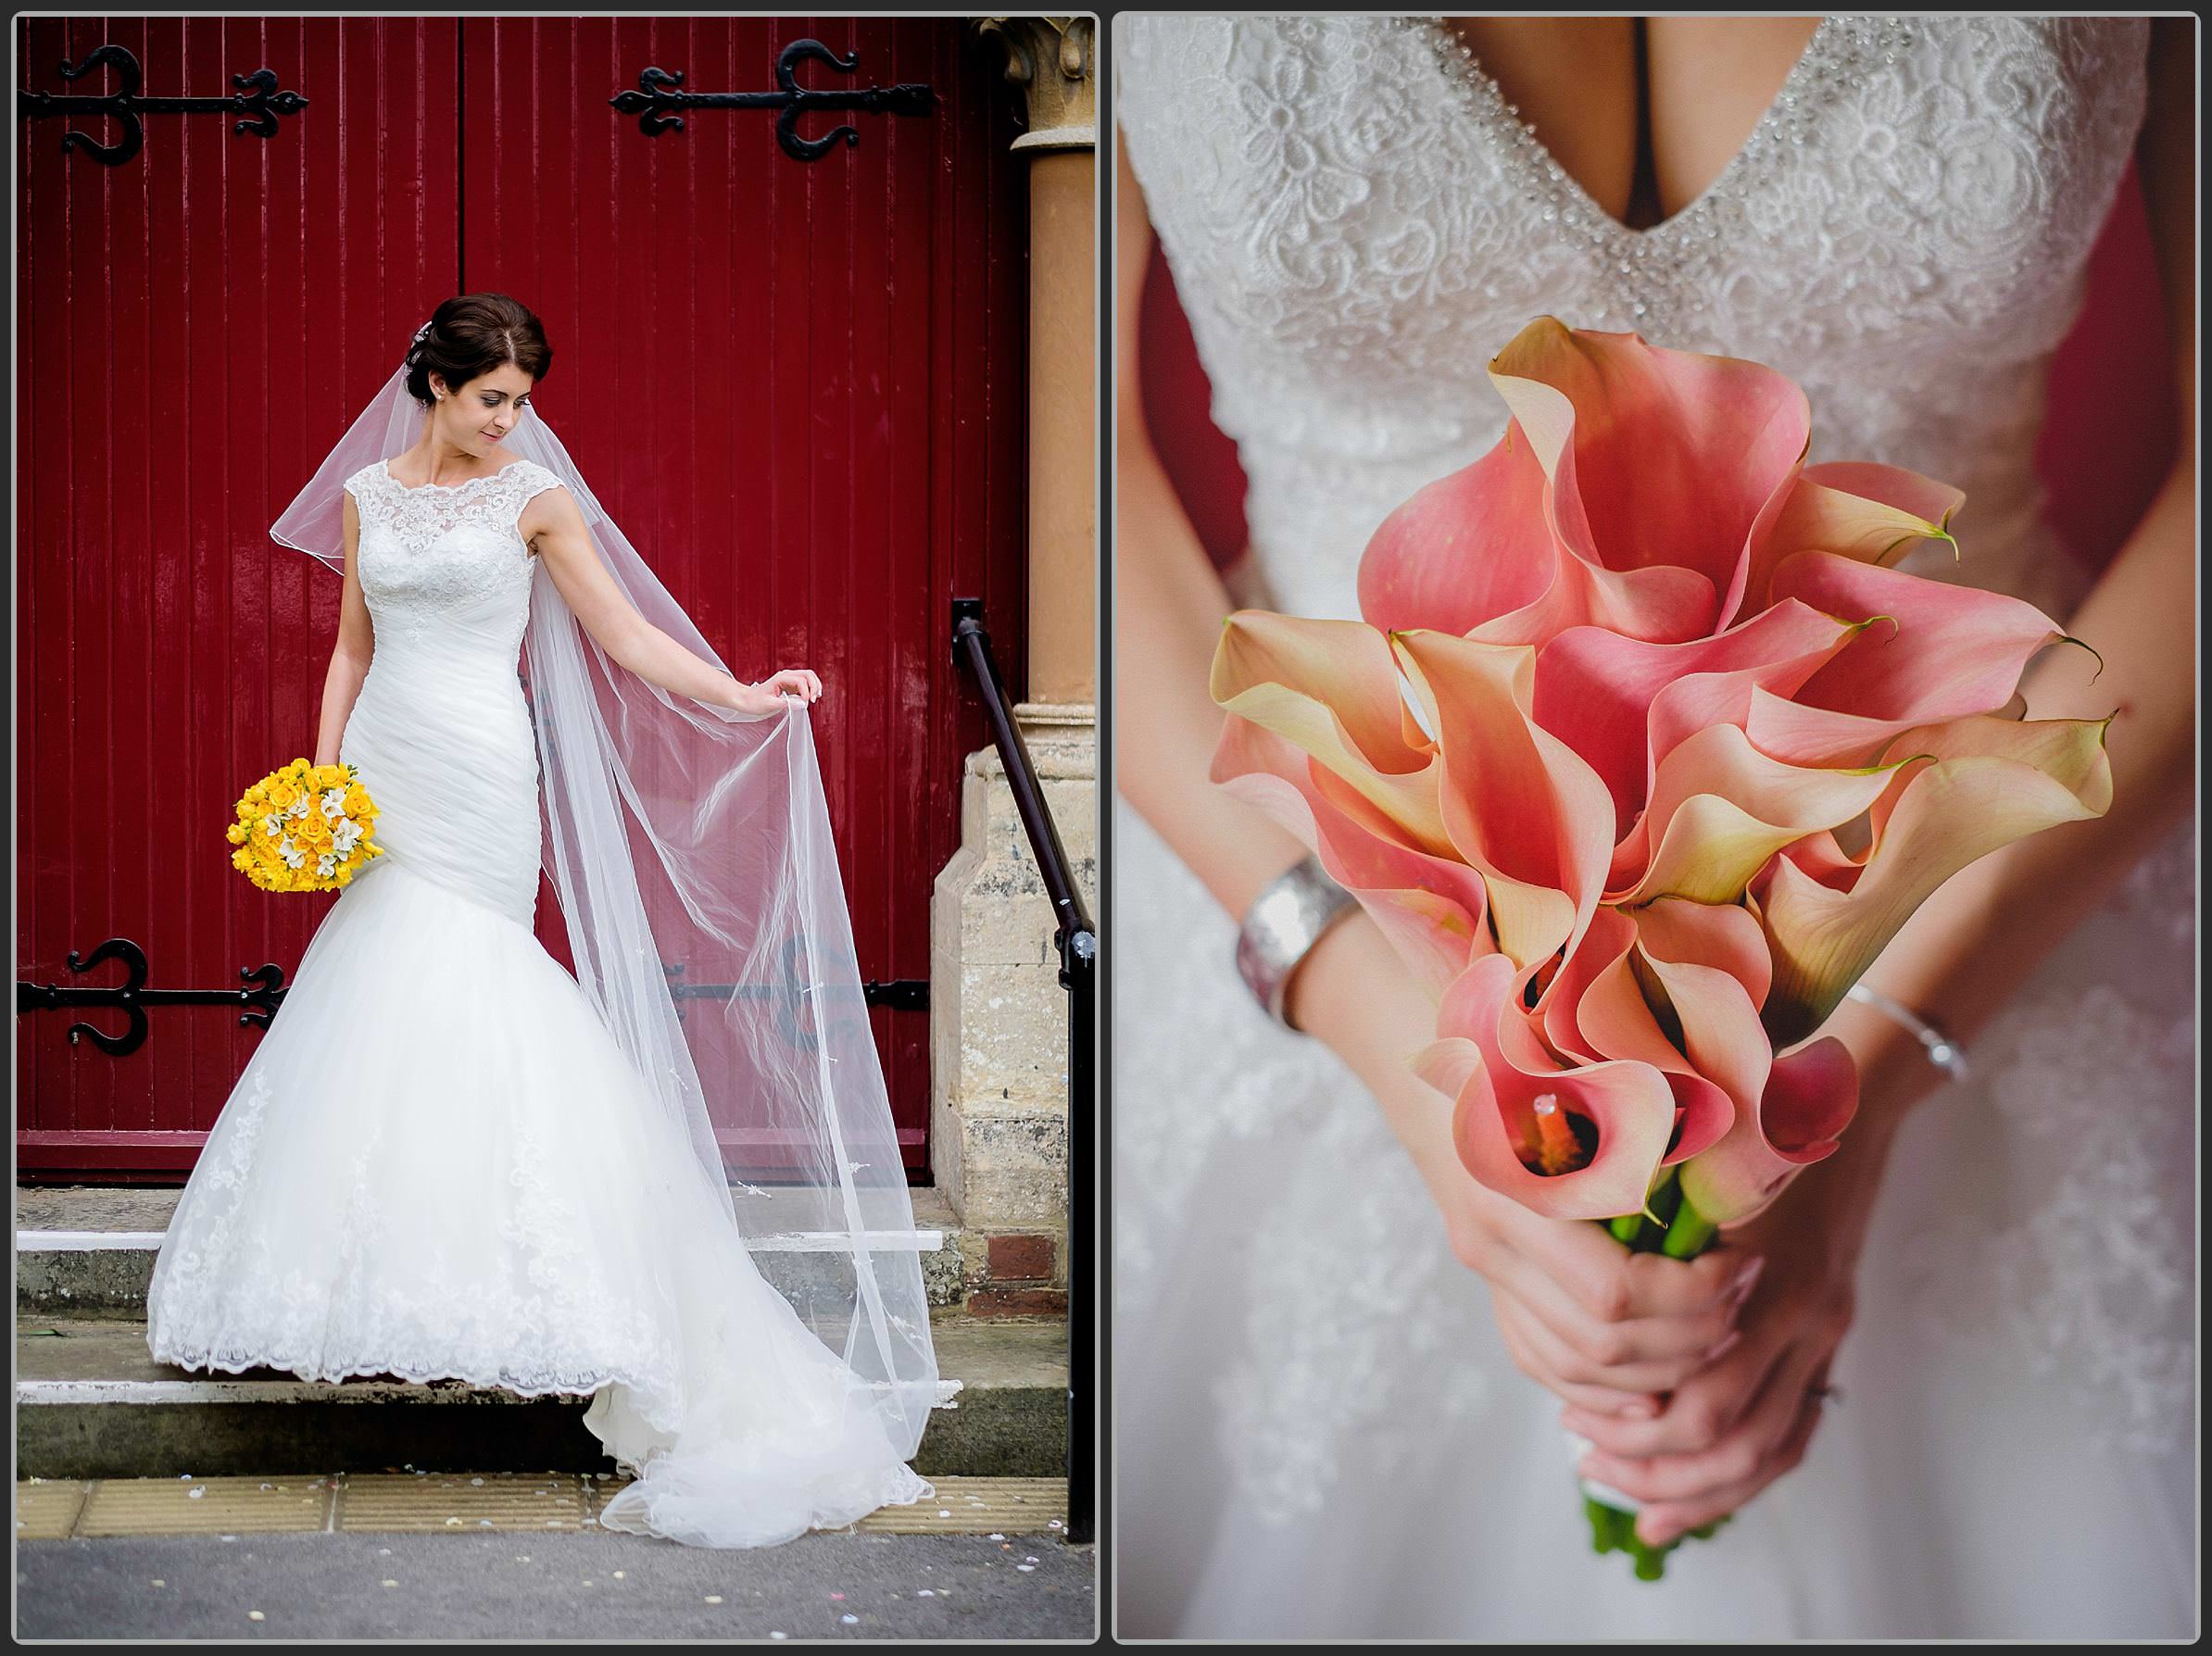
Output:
x=1730 y=1431
x=351 y=655
x=1579 y=1313
x=554 y=527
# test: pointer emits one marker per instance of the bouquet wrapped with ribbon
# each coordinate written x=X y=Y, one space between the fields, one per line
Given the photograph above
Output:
x=1641 y=752
x=304 y=827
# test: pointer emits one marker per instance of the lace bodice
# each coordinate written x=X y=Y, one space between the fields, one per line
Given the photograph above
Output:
x=1357 y=221
x=447 y=556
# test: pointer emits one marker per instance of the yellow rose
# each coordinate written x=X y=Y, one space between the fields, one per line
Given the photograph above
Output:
x=235 y=833
x=313 y=829
x=357 y=800
x=282 y=794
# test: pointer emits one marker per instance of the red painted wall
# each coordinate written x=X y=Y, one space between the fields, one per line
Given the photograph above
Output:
x=799 y=386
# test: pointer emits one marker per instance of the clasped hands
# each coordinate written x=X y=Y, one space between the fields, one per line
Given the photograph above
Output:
x=1698 y=1382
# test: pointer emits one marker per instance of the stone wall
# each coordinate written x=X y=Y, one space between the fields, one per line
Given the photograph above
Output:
x=998 y=1029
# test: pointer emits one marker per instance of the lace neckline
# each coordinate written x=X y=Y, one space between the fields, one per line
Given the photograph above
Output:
x=467 y=482
x=1811 y=78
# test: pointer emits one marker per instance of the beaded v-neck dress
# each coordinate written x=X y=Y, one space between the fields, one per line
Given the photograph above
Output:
x=1318 y=1429
x=438 y=1162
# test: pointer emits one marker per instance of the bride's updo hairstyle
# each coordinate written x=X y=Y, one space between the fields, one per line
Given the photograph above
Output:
x=469 y=335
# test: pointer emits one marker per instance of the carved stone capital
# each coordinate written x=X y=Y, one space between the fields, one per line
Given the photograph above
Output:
x=1050 y=58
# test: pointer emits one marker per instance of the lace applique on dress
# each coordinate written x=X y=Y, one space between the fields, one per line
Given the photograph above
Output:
x=429 y=550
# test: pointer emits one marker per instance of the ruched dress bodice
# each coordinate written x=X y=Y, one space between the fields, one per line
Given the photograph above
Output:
x=441 y=729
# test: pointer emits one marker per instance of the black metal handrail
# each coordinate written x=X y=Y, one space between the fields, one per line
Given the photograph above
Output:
x=1077 y=939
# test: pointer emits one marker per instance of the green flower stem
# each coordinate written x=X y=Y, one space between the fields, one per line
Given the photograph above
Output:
x=1688 y=1233
x=1626 y=1227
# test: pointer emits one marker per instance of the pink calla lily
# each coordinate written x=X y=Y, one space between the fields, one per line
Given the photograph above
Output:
x=1331 y=688
x=1721 y=809
x=1603 y=694
x=1658 y=460
x=1624 y=1113
x=1947 y=651
x=1544 y=861
x=1856 y=509
x=1432 y=909
x=1974 y=785
x=1809 y=1098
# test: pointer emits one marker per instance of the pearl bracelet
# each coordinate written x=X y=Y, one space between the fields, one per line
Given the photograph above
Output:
x=1942 y=1051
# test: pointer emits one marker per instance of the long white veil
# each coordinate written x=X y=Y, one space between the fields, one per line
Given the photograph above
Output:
x=688 y=837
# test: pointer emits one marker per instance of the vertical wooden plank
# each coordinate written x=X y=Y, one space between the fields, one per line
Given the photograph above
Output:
x=203 y=322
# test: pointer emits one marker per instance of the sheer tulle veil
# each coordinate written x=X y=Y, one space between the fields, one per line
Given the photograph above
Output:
x=690 y=850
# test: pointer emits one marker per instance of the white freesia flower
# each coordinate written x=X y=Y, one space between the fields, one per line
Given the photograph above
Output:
x=298 y=806
x=290 y=853
x=326 y=865
x=345 y=834
x=271 y=827
x=333 y=803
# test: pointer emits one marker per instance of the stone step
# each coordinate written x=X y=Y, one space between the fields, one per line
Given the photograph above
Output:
x=456 y=1504
x=92 y=1403
x=90 y=1249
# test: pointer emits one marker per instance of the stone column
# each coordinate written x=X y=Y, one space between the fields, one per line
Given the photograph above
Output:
x=1050 y=58
x=998 y=1038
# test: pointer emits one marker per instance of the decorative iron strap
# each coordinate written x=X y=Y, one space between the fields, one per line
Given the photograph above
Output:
x=264 y=990
x=900 y=994
x=257 y=99
x=656 y=96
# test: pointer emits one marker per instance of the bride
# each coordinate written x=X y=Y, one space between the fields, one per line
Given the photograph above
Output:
x=447 y=1157
x=1949 y=1374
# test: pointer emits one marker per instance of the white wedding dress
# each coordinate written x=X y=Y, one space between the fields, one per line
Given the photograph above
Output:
x=1317 y=1429
x=439 y=1163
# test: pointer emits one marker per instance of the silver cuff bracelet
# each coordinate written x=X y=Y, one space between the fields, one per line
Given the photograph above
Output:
x=1284 y=922
x=1942 y=1051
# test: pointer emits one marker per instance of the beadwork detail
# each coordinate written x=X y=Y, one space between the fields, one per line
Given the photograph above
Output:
x=1663 y=266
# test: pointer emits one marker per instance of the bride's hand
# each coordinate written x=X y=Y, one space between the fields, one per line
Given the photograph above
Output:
x=1746 y=1419
x=793 y=681
x=768 y=695
x=1605 y=1329
x=1608 y=1331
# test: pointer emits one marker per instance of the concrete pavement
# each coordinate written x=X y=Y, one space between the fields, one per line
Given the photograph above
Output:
x=553 y=1585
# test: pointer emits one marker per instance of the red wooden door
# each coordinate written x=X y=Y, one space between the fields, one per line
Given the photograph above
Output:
x=797 y=384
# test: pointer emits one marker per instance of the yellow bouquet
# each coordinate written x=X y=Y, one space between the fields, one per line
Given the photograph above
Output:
x=304 y=828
